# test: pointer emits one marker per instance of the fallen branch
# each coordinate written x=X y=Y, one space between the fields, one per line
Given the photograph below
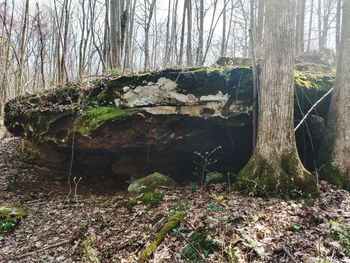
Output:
x=285 y=250
x=42 y=249
x=313 y=106
x=171 y=223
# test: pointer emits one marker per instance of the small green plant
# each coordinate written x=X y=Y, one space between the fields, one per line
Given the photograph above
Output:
x=127 y=203
x=231 y=254
x=213 y=207
x=234 y=219
x=193 y=186
x=10 y=216
x=294 y=227
x=323 y=260
x=198 y=243
x=342 y=234
x=257 y=217
x=152 y=198
x=88 y=253
x=179 y=206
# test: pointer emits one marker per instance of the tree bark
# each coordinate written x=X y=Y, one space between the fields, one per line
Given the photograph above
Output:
x=115 y=33
x=223 y=39
x=275 y=168
x=335 y=153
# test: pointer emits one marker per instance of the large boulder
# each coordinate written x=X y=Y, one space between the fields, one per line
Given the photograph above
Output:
x=135 y=123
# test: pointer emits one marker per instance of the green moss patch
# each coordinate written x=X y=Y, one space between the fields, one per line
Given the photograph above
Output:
x=152 y=198
x=93 y=118
x=10 y=216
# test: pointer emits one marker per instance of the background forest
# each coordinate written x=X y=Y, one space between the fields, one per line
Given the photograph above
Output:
x=44 y=43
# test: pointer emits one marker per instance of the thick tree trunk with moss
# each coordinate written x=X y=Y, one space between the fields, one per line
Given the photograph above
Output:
x=336 y=150
x=275 y=168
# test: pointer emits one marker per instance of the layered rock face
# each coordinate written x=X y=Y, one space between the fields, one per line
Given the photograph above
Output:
x=139 y=123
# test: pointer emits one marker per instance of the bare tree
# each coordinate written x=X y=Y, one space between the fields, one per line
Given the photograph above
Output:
x=189 y=33
x=199 y=59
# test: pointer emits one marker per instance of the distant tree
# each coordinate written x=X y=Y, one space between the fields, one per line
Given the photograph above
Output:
x=275 y=168
x=300 y=26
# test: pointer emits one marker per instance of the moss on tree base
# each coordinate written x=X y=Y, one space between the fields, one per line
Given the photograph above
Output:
x=281 y=177
x=332 y=175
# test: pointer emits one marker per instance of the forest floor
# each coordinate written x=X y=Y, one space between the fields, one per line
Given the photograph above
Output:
x=237 y=229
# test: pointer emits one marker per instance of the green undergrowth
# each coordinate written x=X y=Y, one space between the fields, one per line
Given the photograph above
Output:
x=198 y=243
x=10 y=216
x=341 y=233
x=127 y=203
x=93 y=118
x=88 y=253
x=152 y=198
x=148 y=198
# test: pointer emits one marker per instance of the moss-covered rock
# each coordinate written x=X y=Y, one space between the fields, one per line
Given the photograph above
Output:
x=150 y=183
x=10 y=216
x=153 y=120
x=215 y=177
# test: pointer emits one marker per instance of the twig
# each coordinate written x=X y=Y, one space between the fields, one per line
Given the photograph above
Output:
x=43 y=249
x=285 y=250
x=313 y=106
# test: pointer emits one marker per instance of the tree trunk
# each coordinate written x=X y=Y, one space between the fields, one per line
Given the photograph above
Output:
x=20 y=80
x=200 y=34
x=275 y=168
x=337 y=27
x=115 y=33
x=182 y=37
x=335 y=153
x=319 y=18
x=189 y=33
x=166 y=61
x=300 y=26
x=223 y=39
x=147 y=26
x=310 y=26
